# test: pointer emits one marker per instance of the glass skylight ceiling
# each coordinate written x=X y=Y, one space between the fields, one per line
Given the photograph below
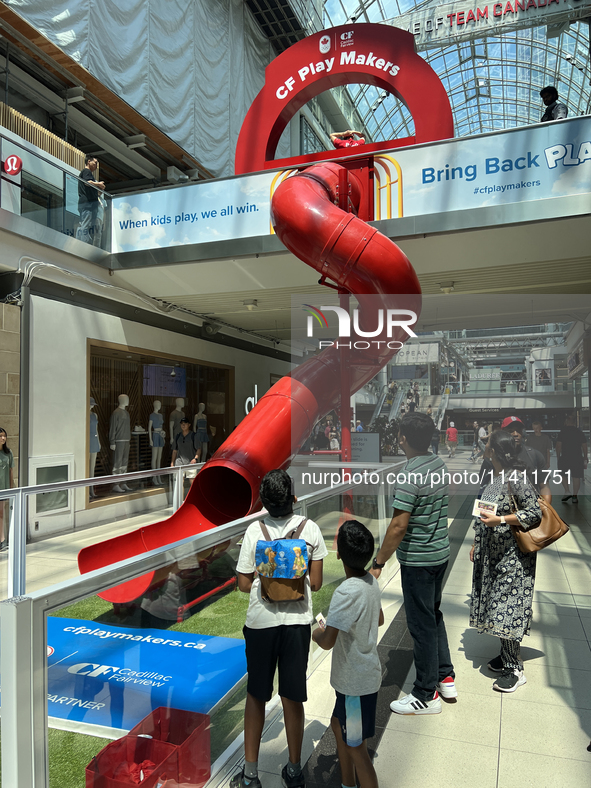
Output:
x=493 y=83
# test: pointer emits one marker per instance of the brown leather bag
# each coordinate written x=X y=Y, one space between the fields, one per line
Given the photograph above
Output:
x=550 y=529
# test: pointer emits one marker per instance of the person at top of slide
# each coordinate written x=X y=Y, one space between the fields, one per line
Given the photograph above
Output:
x=347 y=139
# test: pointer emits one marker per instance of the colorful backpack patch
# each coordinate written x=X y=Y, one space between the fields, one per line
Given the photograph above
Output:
x=281 y=565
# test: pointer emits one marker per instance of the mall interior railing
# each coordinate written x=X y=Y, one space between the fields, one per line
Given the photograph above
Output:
x=47 y=194
x=19 y=500
x=24 y=618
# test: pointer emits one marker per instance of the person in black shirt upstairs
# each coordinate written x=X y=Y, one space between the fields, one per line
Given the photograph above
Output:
x=89 y=229
x=555 y=110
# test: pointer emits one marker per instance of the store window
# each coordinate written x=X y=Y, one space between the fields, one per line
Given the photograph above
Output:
x=177 y=384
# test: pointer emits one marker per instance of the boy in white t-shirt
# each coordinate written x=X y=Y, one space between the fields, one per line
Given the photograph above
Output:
x=352 y=623
x=277 y=634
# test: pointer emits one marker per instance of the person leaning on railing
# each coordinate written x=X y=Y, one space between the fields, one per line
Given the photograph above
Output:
x=89 y=203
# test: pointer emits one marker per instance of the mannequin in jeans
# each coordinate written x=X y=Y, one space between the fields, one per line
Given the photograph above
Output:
x=200 y=430
x=156 y=435
x=119 y=438
x=174 y=420
x=94 y=445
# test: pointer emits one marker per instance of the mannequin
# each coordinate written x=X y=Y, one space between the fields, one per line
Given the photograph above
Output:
x=94 y=445
x=119 y=438
x=200 y=430
x=175 y=419
x=156 y=435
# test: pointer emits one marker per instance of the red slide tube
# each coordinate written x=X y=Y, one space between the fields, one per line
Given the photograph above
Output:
x=360 y=260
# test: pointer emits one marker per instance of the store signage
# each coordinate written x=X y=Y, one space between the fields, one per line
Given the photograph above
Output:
x=465 y=20
x=114 y=676
x=424 y=353
x=371 y=54
x=12 y=164
x=485 y=374
x=521 y=165
x=577 y=362
x=251 y=401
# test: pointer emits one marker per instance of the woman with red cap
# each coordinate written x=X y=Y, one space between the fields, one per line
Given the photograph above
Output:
x=503 y=577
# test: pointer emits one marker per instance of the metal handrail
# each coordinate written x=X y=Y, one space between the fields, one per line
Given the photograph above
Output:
x=396 y=404
x=23 y=623
x=381 y=399
x=17 y=532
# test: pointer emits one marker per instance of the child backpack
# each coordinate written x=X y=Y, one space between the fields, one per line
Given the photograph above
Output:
x=282 y=564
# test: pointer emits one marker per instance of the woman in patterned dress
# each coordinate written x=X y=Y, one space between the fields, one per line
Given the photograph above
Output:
x=503 y=577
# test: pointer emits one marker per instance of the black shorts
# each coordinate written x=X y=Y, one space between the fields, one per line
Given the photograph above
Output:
x=284 y=647
x=357 y=717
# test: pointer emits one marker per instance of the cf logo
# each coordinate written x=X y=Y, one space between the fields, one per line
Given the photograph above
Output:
x=13 y=165
x=347 y=36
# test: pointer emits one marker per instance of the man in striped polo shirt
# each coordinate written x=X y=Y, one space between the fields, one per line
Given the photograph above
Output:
x=418 y=534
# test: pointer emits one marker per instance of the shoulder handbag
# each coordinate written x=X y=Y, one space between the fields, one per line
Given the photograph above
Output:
x=282 y=565
x=550 y=529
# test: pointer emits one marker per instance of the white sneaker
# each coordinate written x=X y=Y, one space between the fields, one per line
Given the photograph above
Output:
x=411 y=705
x=447 y=688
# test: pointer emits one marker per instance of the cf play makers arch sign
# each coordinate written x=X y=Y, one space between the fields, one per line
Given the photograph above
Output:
x=370 y=54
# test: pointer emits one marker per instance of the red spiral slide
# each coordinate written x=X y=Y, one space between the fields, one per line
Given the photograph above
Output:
x=359 y=260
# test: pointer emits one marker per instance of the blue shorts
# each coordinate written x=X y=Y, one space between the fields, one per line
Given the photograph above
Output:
x=357 y=717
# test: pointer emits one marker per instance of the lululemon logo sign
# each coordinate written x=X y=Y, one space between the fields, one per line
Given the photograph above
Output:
x=324 y=44
x=13 y=165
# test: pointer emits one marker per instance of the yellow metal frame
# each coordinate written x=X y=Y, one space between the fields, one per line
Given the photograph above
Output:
x=388 y=185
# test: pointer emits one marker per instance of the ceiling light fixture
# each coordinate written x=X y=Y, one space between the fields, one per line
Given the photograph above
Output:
x=250 y=304
x=446 y=287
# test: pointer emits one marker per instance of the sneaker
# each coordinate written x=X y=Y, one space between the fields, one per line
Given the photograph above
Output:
x=240 y=781
x=447 y=688
x=575 y=498
x=411 y=705
x=510 y=680
x=496 y=665
x=297 y=781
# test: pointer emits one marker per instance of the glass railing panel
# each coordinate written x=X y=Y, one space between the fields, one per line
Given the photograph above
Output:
x=49 y=195
x=60 y=523
x=152 y=683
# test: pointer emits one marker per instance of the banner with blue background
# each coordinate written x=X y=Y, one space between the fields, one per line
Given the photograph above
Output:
x=100 y=675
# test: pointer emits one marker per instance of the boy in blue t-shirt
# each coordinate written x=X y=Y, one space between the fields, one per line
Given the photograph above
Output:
x=351 y=630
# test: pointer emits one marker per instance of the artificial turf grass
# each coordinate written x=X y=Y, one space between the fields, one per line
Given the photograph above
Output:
x=69 y=754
